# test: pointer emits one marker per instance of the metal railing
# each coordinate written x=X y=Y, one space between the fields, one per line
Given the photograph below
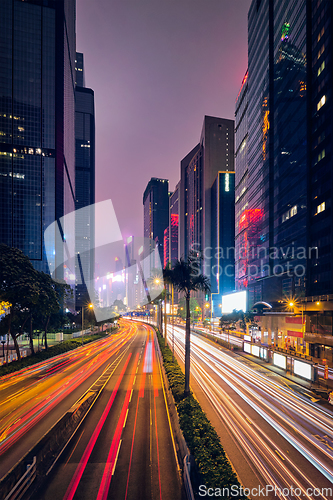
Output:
x=187 y=478
x=23 y=484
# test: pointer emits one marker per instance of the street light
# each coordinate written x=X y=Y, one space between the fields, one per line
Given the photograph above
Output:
x=90 y=306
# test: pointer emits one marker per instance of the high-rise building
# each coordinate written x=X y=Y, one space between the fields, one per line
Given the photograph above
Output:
x=84 y=182
x=37 y=142
x=198 y=217
x=156 y=212
x=287 y=222
x=273 y=223
x=173 y=224
x=222 y=255
x=242 y=213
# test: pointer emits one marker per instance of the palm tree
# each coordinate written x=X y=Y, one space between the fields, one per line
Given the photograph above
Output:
x=186 y=278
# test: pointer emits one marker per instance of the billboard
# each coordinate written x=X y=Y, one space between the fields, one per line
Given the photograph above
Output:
x=303 y=369
x=237 y=300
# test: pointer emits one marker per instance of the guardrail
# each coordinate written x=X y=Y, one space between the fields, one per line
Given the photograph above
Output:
x=23 y=484
x=187 y=478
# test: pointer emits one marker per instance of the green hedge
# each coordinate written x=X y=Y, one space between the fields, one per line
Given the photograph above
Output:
x=60 y=348
x=201 y=437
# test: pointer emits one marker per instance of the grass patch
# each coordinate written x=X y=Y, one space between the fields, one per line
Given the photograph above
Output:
x=60 y=348
x=201 y=437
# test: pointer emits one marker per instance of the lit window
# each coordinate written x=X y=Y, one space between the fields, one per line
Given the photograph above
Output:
x=321 y=155
x=321 y=102
x=321 y=51
x=321 y=207
x=321 y=34
x=321 y=68
x=290 y=213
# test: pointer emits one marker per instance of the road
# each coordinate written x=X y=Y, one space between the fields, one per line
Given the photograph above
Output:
x=275 y=431
x=124 y=448
x=33 y=399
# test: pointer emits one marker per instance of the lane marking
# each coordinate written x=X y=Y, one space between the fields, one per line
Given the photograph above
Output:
x=112 y=455
x=276 y=451
x=125 y=422
x=115 y=463
x=85 y=457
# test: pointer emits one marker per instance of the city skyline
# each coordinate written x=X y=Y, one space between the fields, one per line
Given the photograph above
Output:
x=148 y=111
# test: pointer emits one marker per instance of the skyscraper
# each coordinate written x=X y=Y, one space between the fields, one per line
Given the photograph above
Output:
x=288 y=215
x=156 y=212
x=200 y=180
x=242 y=213
x=174 y=224
x=84 y=181
x=37 y=151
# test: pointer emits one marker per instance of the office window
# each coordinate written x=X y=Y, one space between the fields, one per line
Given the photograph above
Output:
x=321 y=68
x=321 y=102
x=321 y=207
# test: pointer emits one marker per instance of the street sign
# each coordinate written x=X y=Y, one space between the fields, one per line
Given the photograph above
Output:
x=326 y=372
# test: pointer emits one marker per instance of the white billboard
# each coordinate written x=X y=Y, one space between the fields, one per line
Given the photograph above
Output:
x=255 y=350
x=237 y=300
x=247 y=347
x=280 y=360
x=303 y=369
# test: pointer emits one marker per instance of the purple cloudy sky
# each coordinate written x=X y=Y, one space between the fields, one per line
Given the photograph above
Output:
x=157 y=67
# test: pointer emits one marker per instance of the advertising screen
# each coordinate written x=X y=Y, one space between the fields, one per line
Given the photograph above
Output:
x=233 y=301
x=247 y=347
x=280 y=360
x=256 y=350
x=302 y=369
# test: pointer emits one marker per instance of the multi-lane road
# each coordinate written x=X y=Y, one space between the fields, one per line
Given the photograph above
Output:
x=275 y=429
x=124 y=447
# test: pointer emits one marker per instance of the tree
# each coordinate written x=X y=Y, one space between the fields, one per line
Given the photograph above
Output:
x=18 y=287
x=31 y=294
x=186 y=278
x=194 y=308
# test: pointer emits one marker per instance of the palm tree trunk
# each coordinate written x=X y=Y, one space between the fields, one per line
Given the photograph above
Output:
x=187 y=346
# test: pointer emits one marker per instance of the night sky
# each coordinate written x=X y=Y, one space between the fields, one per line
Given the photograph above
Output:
x=157 y=67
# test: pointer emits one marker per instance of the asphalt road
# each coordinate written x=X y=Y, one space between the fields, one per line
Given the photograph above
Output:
x=33 y=399
x=124 y=448
x=273 y=430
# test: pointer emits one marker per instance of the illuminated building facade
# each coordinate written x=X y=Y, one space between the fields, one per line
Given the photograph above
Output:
x=199 y=171
x=290 y=174
x=274 y=211
x=156 y=212
x=37 y=142
x=174 y=224
x=241 y=186
x=84 y=182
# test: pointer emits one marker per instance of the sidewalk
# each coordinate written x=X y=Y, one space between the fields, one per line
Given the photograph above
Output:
x=321 y=388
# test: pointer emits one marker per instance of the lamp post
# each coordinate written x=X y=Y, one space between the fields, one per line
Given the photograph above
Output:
x=90 y=306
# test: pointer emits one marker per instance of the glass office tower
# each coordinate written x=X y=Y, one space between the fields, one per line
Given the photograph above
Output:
x=84 y=183
x=156 y=212
x=276 y=213
x=37 y=168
